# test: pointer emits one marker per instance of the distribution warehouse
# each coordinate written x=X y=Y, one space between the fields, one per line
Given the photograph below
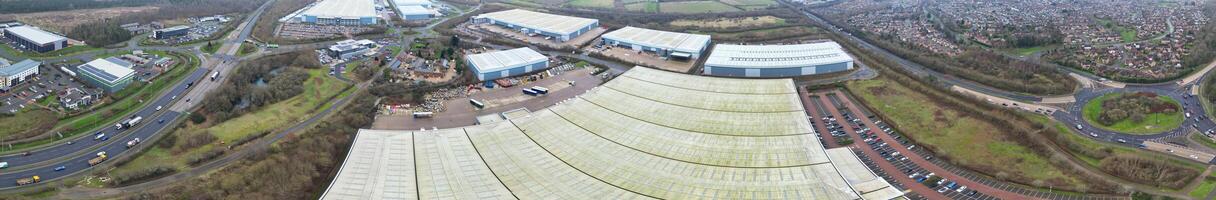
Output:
x=499 y=64
x=12 y=74
x=663 y=43
x=111 y=74
x=777 y=60
x=563 y=28
x=167 y=33
x=34 y=39
x=340 y=12
x=414 y=9
x=638 y=136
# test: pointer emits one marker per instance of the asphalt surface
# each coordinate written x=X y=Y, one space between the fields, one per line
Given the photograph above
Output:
x=74 y=157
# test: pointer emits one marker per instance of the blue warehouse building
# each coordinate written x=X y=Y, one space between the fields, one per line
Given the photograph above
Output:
x=500 y=64
x=770 y=61
x=561 y=28
x=34 y=39
x=167 y=33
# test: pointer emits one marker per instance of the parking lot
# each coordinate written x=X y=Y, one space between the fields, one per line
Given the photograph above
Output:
x=883 y=150
x=903 y=163
x=49 y=81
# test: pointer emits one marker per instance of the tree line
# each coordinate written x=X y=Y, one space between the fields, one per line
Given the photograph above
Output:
x=1135 y=107
x=106 y=32
x=260 y=82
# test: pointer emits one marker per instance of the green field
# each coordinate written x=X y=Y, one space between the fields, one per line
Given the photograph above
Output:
x=591 y=3
x=1026 y=51
x=70 y=50
x=1152 y=123
x=965 y=140
x=246 y=49
x=1204 y=188
x=689 y=7
x=751 y=4
x=24 y=121
x=649 y=7
x=1127 y=34
x=318 y=91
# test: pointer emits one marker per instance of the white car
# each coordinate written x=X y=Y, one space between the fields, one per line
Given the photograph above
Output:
x=961 y=188
x=158 y=108
x=3 y=165
x=99 y=136
x=914 y=175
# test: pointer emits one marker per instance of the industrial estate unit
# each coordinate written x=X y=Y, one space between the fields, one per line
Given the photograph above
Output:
x=561 y=28
x=662 y=43
x=499 y=64
x=12 y=74
x=34 y=39
x=414 y=9
x=340 y=12
x=110 y=74
x=167 y=33
x=777 y=60
x=638 y=136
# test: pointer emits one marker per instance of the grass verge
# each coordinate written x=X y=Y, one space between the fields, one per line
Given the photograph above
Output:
x=1152 y=123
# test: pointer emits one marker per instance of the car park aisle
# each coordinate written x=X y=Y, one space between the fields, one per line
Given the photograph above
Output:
x=829 y=141
x=920 y=161
x=885 y=166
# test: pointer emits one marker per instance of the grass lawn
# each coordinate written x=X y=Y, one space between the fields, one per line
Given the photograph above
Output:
x=591 y=3
x=1204 y=188
x=317 y=91
x=211 y=49
x=1026 y=51
x=1204 y=140
x=1127 y=34
x=966 y=140
x=350 y=67
x=70 y=50
x=246 y=49
x=24 y=121
x=1152 y=123
x=730 y=22
x=689 y=7
x=650 y=7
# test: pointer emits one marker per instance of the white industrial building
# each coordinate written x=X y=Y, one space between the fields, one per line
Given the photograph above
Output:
x=340 y=12
x=499 y=64
x=347 y=49
x=777 y=60
x=561 y=28
x=15 y=73
x=415 y=9
x=110 y=74
x=34 y=39
x=662 y=43
x=639 y=136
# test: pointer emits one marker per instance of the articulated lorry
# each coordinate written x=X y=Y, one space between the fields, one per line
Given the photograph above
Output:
x=30 y=180
x=101 y=156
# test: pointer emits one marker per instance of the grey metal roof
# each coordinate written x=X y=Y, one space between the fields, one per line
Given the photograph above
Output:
x=500 y=60
x=540 y=21
x=109 y=69
x=636 y=137
x=661 y=39
x=346 y=9
x=35 y=35
x=19 y=67
x=776 y=56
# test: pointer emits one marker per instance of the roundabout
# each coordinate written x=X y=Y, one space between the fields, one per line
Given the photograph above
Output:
x=1083 y=115
x=1138 y=113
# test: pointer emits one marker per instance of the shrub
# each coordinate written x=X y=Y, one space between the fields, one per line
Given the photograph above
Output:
x=140 y=175
x=1156 y=172
x=205 y=156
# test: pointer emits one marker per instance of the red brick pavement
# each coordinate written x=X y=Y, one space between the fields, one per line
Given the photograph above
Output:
x=920 y=160
x=886 y=166
x=813 y=111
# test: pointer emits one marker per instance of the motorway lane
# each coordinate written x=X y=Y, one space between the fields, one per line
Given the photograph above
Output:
x=17 y=161
x=80 y=163
x=117 y=144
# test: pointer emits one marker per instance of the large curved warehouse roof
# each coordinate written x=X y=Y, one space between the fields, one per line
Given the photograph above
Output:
x=776 y=56
x=639 y=136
